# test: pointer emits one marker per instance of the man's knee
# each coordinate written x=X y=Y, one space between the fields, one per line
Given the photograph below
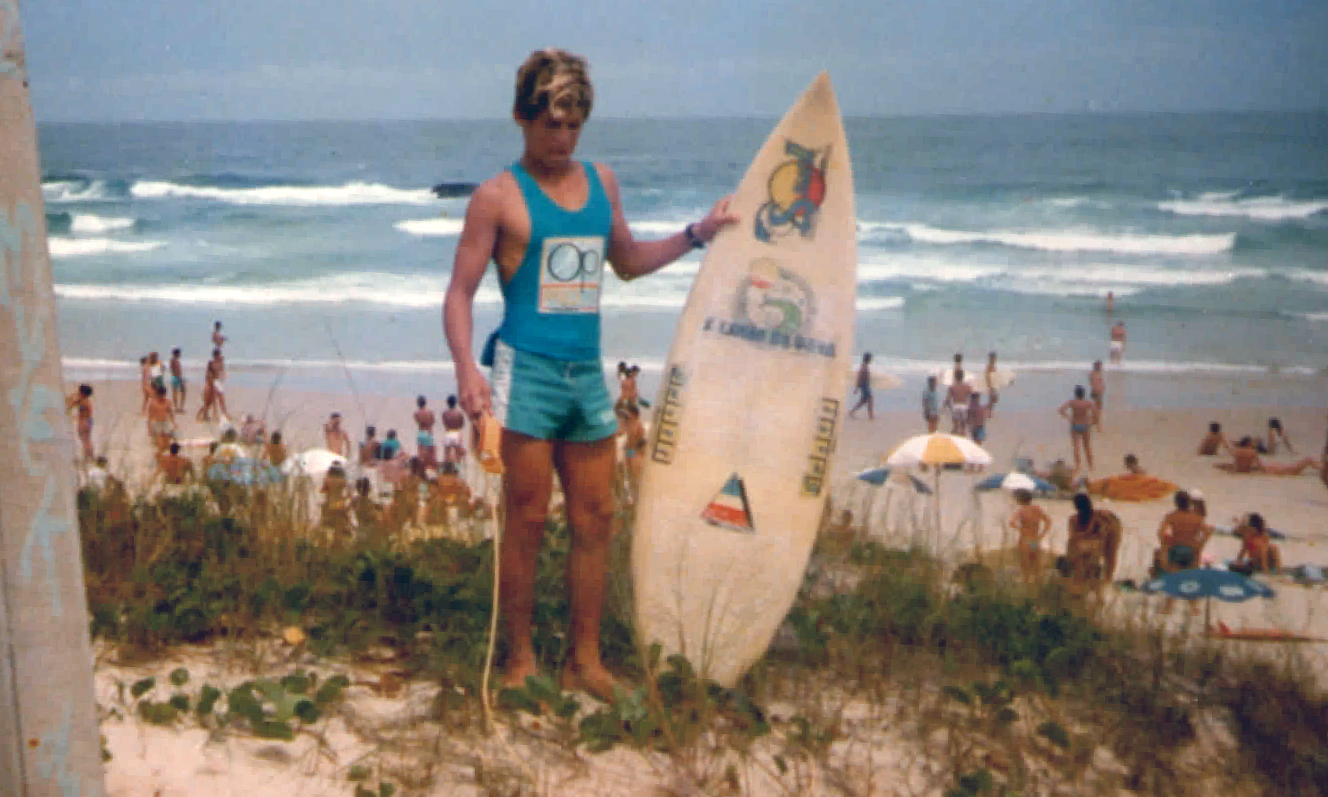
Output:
x=591 y=515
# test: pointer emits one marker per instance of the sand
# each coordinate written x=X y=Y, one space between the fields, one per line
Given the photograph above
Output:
x=1164 y=437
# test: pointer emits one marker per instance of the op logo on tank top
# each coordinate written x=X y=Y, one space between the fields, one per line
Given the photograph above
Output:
x=571 y=270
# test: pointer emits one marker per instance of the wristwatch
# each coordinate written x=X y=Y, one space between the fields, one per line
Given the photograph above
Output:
x=693 y=240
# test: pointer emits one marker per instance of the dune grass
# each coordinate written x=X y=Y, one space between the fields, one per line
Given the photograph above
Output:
x=889 y=676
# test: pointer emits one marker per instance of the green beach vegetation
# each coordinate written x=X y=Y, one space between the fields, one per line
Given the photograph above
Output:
x=887 y=663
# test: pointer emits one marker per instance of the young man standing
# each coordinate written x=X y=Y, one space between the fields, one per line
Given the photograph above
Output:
x=425 y=420
x=549 y=223
x=177 y=382
x=1082 y=414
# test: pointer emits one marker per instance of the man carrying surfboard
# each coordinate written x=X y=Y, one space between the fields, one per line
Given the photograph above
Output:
x=549 y=223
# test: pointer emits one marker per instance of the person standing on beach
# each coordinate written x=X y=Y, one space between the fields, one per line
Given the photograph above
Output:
x=218 y=339
x=1033 y=524
x=1111 y=303
x=1097 y=391
x=1081 y=413
x=454 y=422
x=81 y=401
x=219 y=384
x=863 y=387
x=145 y=383
x=993 y=380
x=161 y=419
x=425 y=420
x=334 y=437
x=931 y=405
x=177 y=382
x=549 y=390
x=205 y=411
x=956 y=398
x=1117 y=342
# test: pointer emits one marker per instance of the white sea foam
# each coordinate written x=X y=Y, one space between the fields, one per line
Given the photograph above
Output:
x=1305 y=275
x=431 y=227
x=1315 y=317
x=934 y=270
x=1073 y=241
x=880 y=303
x=75 y=247
x=1263 y=208
x=90 y=223
x=73 y=191
x=352 y=193
x=1109 y=274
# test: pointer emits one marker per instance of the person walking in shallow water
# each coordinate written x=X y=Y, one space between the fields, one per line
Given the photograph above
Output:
x=863 y=388
x=548 y=389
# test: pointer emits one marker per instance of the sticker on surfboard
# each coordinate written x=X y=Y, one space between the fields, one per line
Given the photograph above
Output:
x=818 y=461
x=772 y=307
x=729 y=508
x=668 y=417
x=796 y=189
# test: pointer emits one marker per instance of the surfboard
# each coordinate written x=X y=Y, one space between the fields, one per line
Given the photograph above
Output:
x=1001 y=378
x=738 y=462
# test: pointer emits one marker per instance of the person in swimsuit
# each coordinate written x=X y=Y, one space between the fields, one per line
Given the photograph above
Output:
x=370 y=448
x=550 y=223
x=218 y=339
x=173 y=468
x=863 y=387
x=634 y=448
x=1097 y=391
x=145 y=383
x=391 y=447
x=335 y=437
x=1092 y=545
x=991 y=377
x=931 y=405
x=177 y=382
x=956 y=398
x=206 y=410
x=425 y=421
x=454 y=424
x=1258 y=552
x=161 y=420
x=1275 y=433
x=628 y=395
x=1183 y=535
x=274 y=451
x=81 y=401
x=1033 y=524
x=1213 y=441
x=1245 y=459
x=219 y=384
x=977 y=418
x=1080 y=412
x=1117 y=342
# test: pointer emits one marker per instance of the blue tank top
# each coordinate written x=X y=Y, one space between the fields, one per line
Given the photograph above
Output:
x=551 y=304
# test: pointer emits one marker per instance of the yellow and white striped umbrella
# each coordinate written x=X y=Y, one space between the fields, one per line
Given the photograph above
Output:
x=937 y=449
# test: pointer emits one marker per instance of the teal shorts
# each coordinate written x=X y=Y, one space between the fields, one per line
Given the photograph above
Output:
x=551 y=399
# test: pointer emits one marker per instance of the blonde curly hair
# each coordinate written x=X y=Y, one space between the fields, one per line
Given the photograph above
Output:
x=553 y=80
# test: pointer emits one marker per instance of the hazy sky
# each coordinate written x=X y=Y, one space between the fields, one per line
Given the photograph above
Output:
x=335 y=59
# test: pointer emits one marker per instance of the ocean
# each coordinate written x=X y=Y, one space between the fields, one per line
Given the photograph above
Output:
x=324 y=253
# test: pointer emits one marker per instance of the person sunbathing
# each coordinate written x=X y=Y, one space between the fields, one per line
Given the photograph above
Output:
x=1245 y=459
x=1258 y=552
x=1275 y=433
x=1213 y=441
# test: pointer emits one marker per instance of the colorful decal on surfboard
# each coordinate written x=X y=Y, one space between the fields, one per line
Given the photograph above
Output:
x=729 y=508
x=796 y=189
x=773 y=307
x=818 y=462
x=668 y=416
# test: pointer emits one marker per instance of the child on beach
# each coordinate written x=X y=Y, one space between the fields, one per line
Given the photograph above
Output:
x=454 y=423
x=977 y=418
x=931 y=405
x=1033 y=524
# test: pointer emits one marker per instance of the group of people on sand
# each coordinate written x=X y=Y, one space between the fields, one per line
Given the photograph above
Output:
x=963 y=399
x=1245 y=453
x=1093 y=538
x=421 y=496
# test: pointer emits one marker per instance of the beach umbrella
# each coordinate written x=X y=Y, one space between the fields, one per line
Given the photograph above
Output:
x=879 y=476
x=1224 y=585
x=938 y=448
x=245 y=471
x=314 y=462
x=1015 y=481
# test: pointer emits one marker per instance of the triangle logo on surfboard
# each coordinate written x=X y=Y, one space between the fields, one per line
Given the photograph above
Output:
x=729 y=508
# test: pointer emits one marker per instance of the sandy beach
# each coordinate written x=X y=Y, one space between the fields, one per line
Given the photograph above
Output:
x=1164 y=438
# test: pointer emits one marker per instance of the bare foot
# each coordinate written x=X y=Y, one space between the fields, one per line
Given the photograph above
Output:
x=515 y=676
x=594 y=681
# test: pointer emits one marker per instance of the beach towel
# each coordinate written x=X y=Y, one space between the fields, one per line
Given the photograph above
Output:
x=1132 y=487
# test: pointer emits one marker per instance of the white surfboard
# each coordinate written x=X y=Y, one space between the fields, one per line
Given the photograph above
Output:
x=738 y=465
x=1001 y=378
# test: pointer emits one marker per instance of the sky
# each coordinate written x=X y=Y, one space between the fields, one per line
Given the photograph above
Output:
x=153 y=60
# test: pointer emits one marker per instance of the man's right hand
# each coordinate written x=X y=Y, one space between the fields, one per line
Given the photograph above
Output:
x=473 y=391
